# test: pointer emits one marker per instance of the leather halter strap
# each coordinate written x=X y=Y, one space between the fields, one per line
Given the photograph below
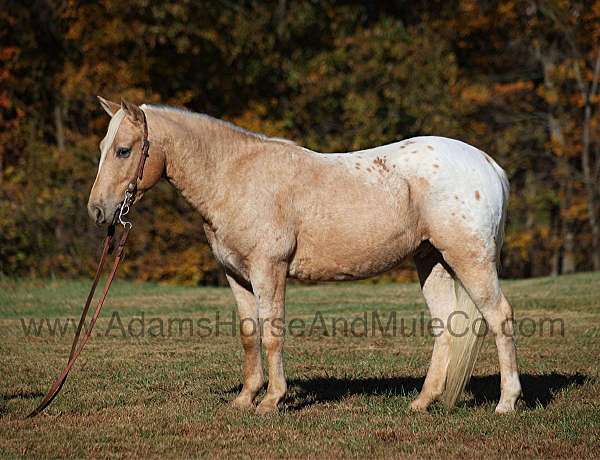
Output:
x=123 y=209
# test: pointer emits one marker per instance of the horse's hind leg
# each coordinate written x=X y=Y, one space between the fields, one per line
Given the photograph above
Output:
x=250 y=334
x=476 y=269
x=437 y=286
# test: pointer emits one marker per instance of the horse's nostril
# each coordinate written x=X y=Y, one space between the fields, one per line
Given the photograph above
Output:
x=99 y=214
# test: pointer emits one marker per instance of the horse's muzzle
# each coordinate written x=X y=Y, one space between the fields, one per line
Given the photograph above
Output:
x=97 y=213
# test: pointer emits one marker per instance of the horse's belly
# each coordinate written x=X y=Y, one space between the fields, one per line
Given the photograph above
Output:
x=309 y=267
x=352 y=248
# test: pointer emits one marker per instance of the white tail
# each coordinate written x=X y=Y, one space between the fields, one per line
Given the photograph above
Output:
x=465 y=344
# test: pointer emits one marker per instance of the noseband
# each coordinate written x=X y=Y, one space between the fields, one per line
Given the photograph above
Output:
x=122 y=211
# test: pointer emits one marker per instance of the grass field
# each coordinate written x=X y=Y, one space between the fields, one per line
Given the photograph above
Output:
x=166 y=396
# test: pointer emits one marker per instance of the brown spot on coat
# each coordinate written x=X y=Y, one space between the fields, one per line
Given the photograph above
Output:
x=380 y=162
x=477 y=195
x=430 y=147
x=435 y=165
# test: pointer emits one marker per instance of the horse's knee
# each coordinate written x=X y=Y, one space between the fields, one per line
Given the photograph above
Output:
x=500 y=318
x=272 y=343
x=506 y=309
x=249 y=333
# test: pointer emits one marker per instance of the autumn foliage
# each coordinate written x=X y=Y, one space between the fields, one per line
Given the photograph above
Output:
x=518 y=79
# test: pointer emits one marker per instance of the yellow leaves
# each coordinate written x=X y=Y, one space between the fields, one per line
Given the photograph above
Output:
x=4 y=101
x=520 y=242
x=507 y=8
x=577 y=211
x=472 y=17
x=476 y=93
x=550 y=95
x=513 y=87
x=556 y=145
x=544 y=232
x=183 y=97
x=255 y=119
x=250 y=120
x=592 y=14
x=316 y=74
x=8 y=52
x=469 y=6
x=479 y=128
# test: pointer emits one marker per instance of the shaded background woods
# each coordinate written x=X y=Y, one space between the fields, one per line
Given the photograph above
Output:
x=518 y=79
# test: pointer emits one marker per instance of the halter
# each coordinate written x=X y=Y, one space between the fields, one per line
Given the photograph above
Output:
x=125 y=205
x=122 y=210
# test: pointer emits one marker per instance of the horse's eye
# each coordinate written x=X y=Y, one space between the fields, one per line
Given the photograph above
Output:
x=123 y=152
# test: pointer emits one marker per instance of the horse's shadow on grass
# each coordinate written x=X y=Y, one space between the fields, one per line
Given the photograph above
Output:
x=5 y=397
x=538 y=390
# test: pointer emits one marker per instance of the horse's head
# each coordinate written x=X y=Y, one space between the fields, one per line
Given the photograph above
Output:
x=120 y=152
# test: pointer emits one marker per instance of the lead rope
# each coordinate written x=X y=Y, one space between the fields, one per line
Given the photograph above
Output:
x=122 y=211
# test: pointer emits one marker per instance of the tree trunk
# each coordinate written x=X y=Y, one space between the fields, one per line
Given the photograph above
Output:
x=530 y=224
x=596 y=246
x=568 y=236
x=568 y=261
x=281 y=15
x=59 y=132
x=555 y=223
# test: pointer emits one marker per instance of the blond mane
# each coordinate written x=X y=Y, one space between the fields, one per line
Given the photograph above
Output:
x=228 y=126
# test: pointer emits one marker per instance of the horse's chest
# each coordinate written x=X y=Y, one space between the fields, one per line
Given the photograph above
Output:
x=226 y=254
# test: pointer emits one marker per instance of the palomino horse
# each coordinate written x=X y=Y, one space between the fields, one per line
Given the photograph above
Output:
x=274 y=210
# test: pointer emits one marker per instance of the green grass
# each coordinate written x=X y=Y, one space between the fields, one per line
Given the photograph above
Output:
x=348 y=396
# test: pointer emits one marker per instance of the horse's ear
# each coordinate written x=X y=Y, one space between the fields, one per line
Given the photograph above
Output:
x=110 y=107
x=132 y=111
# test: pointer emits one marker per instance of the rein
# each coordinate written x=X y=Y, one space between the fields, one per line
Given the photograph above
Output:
x=122 y=210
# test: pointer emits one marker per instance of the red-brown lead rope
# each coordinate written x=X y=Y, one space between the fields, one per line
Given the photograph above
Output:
x=122 y=211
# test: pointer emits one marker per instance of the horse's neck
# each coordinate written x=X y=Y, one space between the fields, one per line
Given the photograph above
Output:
x=198 y=152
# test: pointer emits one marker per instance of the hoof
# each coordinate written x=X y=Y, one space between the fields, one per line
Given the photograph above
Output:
x=505 y=408
x=267 y=406
x=418 y=405
x=507 y=404
x=242 y=402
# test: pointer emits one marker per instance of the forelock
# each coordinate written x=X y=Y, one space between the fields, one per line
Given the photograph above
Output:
x=108 y=140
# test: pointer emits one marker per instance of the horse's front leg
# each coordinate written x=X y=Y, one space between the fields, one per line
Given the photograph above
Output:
x=250 y=334
x=268 y=283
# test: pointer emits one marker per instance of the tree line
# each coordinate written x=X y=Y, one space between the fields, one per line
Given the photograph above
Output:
x=517 y=78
